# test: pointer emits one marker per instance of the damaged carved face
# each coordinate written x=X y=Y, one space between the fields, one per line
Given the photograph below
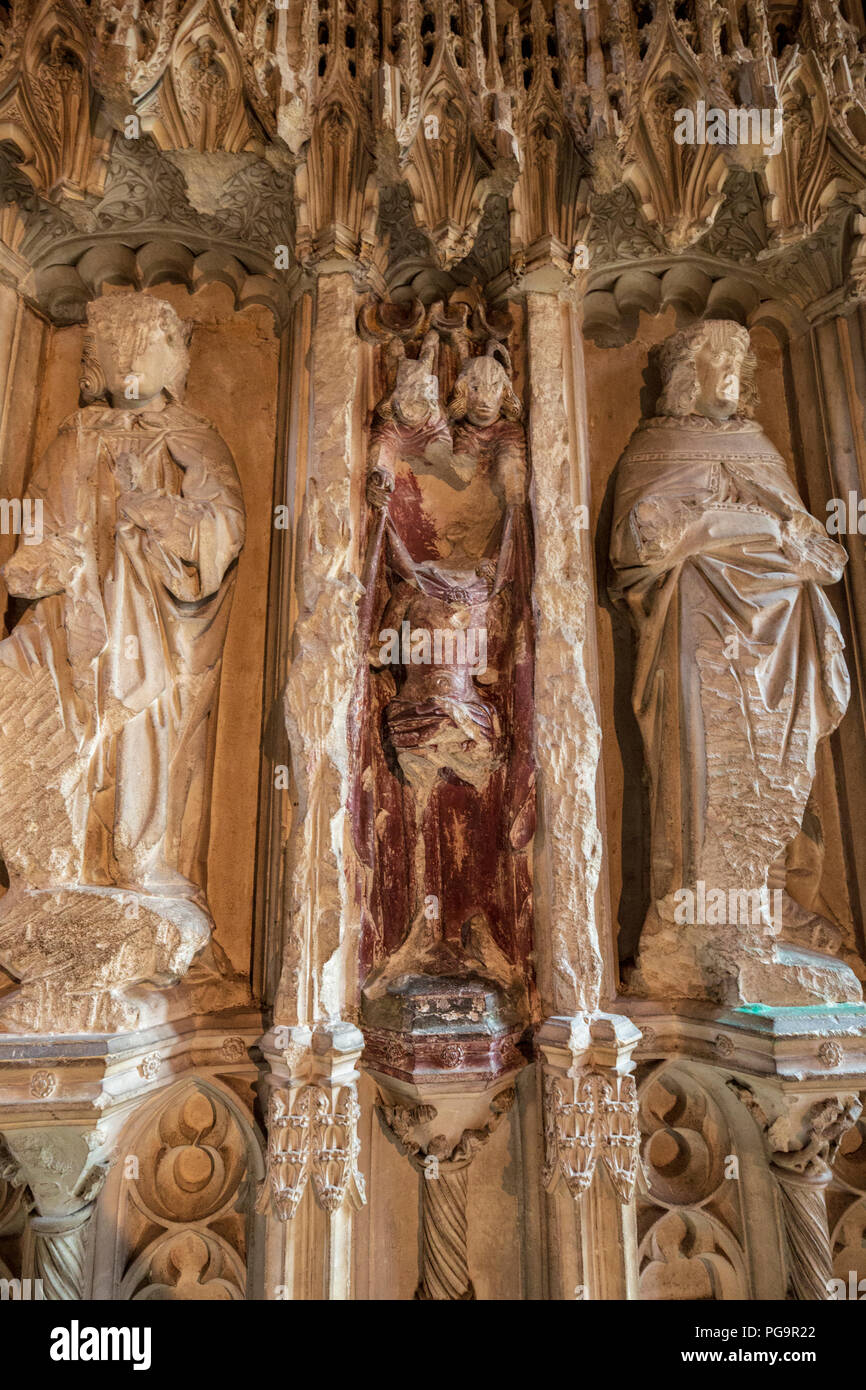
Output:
x=484 y=382
x=416 y=395
x=135 y=349
x=717 y=373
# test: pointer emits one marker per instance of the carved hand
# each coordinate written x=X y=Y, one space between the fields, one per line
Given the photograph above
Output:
x=152 y=511
x=169 y=520
x=811 y=551
x=35 y=571
x=380 y=485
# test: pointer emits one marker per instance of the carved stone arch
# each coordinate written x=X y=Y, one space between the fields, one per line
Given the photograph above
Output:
x=62 y=291
x=688 y=1254
x=447 y=173
x=336 y=193
x=178 y=1211
x=708 y=1218
x=546 y=198
x=696 y=286
x=452 y=134
x=129 y=55
x=784 y=320
x=816 y=164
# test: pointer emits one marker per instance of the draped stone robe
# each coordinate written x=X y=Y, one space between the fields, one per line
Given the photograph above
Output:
x=739 y=668
x=143 y=519
x=481 y=817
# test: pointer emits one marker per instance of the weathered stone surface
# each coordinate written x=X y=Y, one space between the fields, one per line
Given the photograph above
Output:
x=567 y=735
x=488 y=184
x=739 y=675
x=108 y=682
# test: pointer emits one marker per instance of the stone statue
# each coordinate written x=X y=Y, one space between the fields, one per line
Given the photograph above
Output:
x=109 y=685
x=739 y=675
x=449 y=779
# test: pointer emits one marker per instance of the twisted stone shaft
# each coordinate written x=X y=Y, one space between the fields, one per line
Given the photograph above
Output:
x=804 y=1212
x=59 y=1254
x=444 y=1256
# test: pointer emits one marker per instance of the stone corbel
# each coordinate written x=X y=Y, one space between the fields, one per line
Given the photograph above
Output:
x=440 y=1142
x=802 y=1135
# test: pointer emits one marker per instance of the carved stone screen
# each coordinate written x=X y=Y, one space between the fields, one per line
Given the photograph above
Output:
x=432 y=707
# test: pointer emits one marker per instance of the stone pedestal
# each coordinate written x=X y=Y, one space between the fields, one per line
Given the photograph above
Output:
x=440 y=1123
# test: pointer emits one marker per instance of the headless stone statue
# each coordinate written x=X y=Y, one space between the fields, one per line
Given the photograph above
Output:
x=739 y=675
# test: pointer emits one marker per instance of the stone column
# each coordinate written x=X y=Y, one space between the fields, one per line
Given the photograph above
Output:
x=313 y=1184
x=312 y=1053
x=321 y=944
x=589 y=1102
x=23 y=339
x=826 y=383
x=592 y=1147
x=290 y=476
x=568 y=735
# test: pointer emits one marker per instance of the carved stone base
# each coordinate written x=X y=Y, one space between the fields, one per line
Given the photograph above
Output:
x=796 y=1072
x=95 y=960
x=726 y=965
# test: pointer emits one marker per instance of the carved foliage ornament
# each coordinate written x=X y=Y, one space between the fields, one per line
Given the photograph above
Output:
x=314 y=1135
x=586 y=1118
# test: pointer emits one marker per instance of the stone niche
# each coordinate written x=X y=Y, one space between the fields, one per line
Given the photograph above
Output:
x=620 y=388
x=233 y=359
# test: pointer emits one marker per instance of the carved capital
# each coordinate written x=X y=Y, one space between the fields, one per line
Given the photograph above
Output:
x=590 y=1103
x=802 y=1137
x=313 y=1119
x=63 y=1166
